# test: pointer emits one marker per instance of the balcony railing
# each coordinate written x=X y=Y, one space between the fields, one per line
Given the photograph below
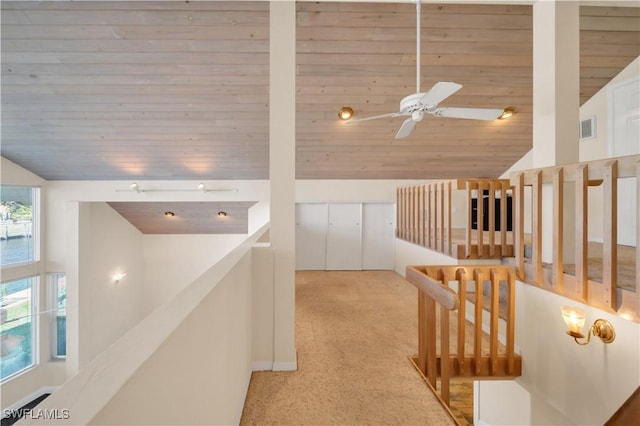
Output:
x=608 y=294
x=465 y=350
x=428 y=215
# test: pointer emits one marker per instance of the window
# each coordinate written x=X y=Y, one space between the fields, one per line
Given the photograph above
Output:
x=18 y=329
x=19 y=258
x=17 y=225
x=57 y=285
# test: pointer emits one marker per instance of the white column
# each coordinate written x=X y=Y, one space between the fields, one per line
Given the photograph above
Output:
x=282 y=167
x=556 y=82
x=556 y=107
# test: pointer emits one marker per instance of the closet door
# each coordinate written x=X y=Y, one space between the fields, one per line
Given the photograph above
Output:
x=377 y=236
x=344 y=240
x=311 y=236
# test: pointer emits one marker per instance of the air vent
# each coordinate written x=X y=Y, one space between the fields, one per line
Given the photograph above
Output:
x=588 y=128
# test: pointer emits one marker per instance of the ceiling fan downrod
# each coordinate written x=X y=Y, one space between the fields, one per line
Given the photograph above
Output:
x=418 y=23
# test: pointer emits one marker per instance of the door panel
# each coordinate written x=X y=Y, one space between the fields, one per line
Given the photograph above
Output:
x=377 y=236
x=311 y=236
x=344 y=239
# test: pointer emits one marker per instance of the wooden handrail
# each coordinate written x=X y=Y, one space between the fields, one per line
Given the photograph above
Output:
x=434 y=288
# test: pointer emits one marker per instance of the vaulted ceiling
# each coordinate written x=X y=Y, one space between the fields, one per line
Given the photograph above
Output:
x=180 y=90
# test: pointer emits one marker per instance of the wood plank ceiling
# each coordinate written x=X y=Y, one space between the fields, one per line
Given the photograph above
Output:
x=179 y=90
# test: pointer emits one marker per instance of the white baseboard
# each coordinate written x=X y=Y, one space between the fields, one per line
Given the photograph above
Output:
x=28 y=399
x=262 y=366
x=285 y=366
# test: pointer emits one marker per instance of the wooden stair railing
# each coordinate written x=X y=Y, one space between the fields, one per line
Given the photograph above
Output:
x=437 y=301
x=608 y=295
x=425 y=217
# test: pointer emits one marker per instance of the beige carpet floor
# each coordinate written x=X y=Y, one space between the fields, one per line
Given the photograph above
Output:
x=354 y=332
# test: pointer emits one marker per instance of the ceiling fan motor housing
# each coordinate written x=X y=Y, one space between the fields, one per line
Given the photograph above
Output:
x=412 y=103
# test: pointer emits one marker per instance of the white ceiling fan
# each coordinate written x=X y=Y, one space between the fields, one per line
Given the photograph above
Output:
x=419 y=103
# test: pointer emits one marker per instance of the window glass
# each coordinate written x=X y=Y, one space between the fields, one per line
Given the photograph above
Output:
x=18 y=325
x=58 y=288
x=16 y=225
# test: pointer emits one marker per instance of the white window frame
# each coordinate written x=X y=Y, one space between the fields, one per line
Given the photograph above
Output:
x=30 y=269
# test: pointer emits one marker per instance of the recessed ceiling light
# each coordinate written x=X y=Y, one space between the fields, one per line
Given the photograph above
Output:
x=169 y=214
x=508 y=112
x=222 y=214
x=345 y=113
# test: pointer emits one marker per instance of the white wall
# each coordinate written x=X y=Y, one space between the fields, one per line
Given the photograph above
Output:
x=309 y=191
x=201 y=341
x=115 y=246
x=568 y=383
x=171 y=262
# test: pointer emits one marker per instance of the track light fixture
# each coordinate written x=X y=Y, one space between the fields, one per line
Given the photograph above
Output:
x=135 y=187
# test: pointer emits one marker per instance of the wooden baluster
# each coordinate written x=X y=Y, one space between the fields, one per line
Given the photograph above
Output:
x=421 y=215
x=412 y=214
x=423 y=331
x=511 y=320
x=429 y=215
x=443 y=213
x=477 y=326
x=519 y=225
x=467 y=247
x=449 y=220
x=445 y=358
x=582 y=215
x=416 y=211
x=610 y=234
x=397 y=212
x=492 y=219
x=557 y=266
x=480 y=223
x=434 y=218
x=406 y=214
x=461 y=277
x=503 y=221
x=536 y=228
x=432 y=372
x=493 y=324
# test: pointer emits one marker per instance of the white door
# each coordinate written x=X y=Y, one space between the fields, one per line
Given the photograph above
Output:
x=311 y=236
x=344 y=240
x=625 y=140
x=377 y=236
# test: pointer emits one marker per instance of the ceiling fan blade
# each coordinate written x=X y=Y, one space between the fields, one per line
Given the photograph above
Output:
x=469 y=113
x=406 y=128
x=439 y=92
x=375 y=117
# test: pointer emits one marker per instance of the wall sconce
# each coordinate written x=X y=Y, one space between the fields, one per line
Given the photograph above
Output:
x=222 y=214
x=135 y=187
x=117 y=277
x=202 y=188
x=574 y=318
x=345 y=113
x=508 y=112
x=169 y=214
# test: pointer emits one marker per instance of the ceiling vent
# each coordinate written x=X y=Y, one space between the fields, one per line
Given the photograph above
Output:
x=588 y=128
